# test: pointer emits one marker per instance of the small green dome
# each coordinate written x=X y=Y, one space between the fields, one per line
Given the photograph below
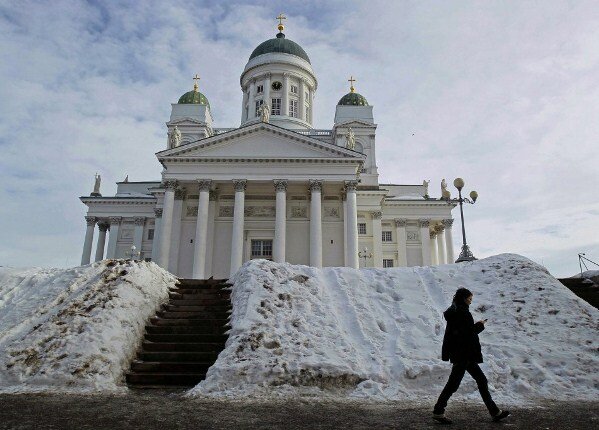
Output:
x=193 y=97
x=353 y=99
x=280 y=44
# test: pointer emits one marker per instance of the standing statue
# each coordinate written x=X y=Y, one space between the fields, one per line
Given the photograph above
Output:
x=425 y=185
x=264 y=113
x=445 y=194
x=350 y=139
x=175 y=137
x=96 y=191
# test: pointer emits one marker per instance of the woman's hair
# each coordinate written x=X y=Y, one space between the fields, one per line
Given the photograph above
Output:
x=461 y=295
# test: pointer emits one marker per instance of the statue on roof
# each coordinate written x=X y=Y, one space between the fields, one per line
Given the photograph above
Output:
x=96 y=191
x=264 y=112
x=350 y=140
x=175 y=138
x=445 y=194
x=425 y=186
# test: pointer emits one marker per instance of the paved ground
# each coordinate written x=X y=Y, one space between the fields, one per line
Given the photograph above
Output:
x=167 y=410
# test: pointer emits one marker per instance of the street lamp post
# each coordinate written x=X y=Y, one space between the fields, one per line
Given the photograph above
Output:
x=465 y=254
x=365 y=255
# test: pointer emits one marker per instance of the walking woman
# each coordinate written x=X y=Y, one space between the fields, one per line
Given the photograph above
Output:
x=462 y=347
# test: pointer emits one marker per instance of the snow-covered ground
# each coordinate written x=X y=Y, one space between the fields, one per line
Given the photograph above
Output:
x=75 y=329
x=377 y=333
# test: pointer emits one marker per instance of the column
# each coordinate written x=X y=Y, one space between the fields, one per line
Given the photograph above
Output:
x=103 y=227
x=285 y=98
x=173 y=263
x=447 y=223
x=167 y=223
x=440 y=243
x=115 y=224
x=311 y=103
x=89 y=237
x=267 y=91
x=402 y=241
x=302 y=100
x=138 y=233
x=157 y=234
x=345 y=255
x=238 y=216
x=352 y=225
x=201 y=236
x=252 y=101
x=434 y=259
x=377 y=239
x=280 y=220
x=210 y=244
x=316 y=223
x=426 y=241
x=244 y=103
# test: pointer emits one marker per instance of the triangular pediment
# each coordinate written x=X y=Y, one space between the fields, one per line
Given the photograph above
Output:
x=185 y=121
x=260 y=141
x=355 y=123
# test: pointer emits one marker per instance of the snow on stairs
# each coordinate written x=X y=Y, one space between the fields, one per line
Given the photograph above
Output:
x=185 y=337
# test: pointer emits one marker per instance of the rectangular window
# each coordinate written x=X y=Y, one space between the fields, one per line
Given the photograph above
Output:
x=387 y=236
x=258 y=104
x=259 y=89
x=361 y=228
x=293 y=108
x=387 y=263
x=294 y=89
x=262 y=249
x=276 y=107
x=151 y=234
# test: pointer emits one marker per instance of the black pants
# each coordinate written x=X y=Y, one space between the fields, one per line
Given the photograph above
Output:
x=457 y=373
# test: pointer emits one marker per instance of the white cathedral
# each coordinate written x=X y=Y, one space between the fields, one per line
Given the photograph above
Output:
x=273 y=188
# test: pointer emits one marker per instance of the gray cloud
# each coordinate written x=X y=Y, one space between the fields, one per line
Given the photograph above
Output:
x=502 y=94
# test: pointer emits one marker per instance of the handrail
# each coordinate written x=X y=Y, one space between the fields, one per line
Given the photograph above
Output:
x=581 y=262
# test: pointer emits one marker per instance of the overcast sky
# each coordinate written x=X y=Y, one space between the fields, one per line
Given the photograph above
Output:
x=504 y=94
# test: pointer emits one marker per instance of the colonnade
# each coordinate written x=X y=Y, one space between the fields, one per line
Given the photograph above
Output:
x=113 y=225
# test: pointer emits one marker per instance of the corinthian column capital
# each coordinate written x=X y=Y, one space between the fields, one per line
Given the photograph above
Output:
x=376 y=214
x=350 y=186
x=424 y=222
x=90 y=220
x=240 y=184
x=280 y=185
x=158 y=212
x=139 y=220
x=103 y=226
x=400 y=222
x=115 y=220
x=170 y=185
x=204 y=184
x=447 y=223
x=315 y=185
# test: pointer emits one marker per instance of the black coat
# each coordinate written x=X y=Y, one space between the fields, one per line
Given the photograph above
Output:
x=460 y=343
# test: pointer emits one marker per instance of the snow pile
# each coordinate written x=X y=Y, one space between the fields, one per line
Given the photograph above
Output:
x=590 y=276
x=377 y=333
x=75 y=329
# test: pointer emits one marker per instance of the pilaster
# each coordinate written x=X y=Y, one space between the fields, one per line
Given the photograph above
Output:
x=402 y=241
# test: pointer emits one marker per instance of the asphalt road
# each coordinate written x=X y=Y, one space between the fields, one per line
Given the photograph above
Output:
x=168 y=410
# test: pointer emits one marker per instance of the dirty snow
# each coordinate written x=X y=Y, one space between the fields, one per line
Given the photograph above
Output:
x=75 y=330
x=376 y=333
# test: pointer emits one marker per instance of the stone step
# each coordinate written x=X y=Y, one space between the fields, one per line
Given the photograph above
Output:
x=159 y=380
x=202 y=281
x=179 y=308
x=215 y=347
x=164 y=367
x=192 y=315
x=203 y=300
x=207 y=294
x=178 y=356
x=187 y=338
x=177 y=301
x=200 y=322
x=200 y=330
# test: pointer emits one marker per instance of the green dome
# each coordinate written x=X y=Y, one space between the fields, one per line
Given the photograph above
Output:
x=353 y=99
x=193 y=98
x=280 y=44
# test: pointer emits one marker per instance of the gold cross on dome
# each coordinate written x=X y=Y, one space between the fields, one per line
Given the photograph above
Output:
x=281 y=17
x=196 y=78
x=351 y=81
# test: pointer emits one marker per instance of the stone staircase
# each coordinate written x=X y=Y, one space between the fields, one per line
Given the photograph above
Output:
x=185 y=337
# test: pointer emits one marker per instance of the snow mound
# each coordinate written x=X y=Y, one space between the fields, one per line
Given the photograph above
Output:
x=75 y=329
x=377 y=333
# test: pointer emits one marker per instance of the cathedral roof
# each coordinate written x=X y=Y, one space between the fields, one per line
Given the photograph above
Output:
x=282 y=45
x=353 y=99
x=193 y=97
